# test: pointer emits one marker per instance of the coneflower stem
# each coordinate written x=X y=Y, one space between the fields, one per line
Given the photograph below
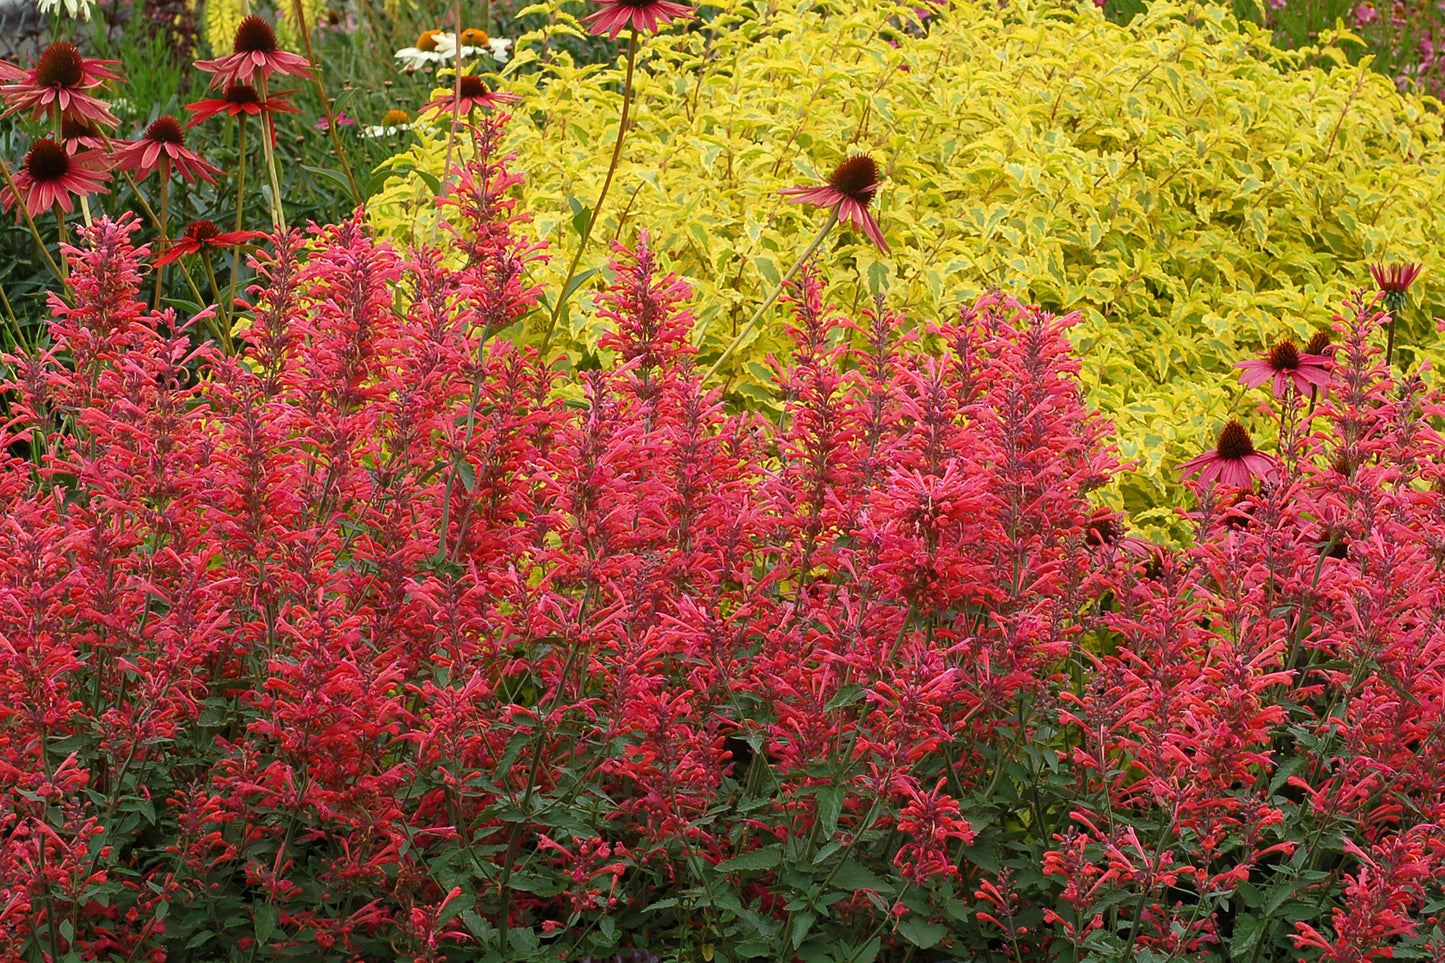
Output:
x=60 y=220
x=456 y=111
x=768 y=301
x=596 y=208
x=164 y=221
x=278 y=216
x=305 y=29
x=30 y=221
x=228 y=309
x=10 y=315
x=223 y=328
x=1390 y=341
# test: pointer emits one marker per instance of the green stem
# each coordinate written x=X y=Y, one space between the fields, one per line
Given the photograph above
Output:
x=278 y=215
x=165 y=220
x=30 y=221
x=601 y=197
x=223 y=330
x=1390 y=341
x=228 y=310
x=768 y=301
x=305 y=29
x=436 y=223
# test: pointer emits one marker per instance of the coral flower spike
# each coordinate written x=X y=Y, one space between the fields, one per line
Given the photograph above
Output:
x=644 y=16
x=255 y=51
x=49 y=176
x=62 y=78
x=1234 y=462
x=1286 y=364
x=850 y=188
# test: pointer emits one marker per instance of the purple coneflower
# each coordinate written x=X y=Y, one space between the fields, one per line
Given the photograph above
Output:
x=164 y=145
x=255 y=51
x=49 y=176
x=1234 y=461
x=850 y=189
x=474 y=93
x=203 y=237
x=1286 y=365
x=61 y=78
x=644 y=16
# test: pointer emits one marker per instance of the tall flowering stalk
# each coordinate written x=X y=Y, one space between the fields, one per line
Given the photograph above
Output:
x=640 y=16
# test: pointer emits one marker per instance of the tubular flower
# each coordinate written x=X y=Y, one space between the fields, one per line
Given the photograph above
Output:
x=1286 y=365
x=474 y=93
x=49 y=176
x=850 y=188
x=644 y=16
x=164 y=144
x=204 y=236
x=1234 y=461
x=255 y=51
x=62 y=78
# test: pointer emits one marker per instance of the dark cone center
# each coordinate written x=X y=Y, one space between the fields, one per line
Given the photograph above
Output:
x=254 y=35
x=1319 y=343
x=203 y=231
x=75 y=129
x=47 y=161
x=60 y=67
x=165 y=130
x=1234 y=443
x=1285 y=356
x=856 y=178
x=474 y=87
x=241 y=94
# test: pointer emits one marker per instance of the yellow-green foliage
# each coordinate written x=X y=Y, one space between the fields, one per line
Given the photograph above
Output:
x=1194 y=192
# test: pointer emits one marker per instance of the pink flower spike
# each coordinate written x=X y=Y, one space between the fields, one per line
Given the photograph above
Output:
x=1285 y=365
x=256 y=52
x=164 y=141
x=644 y=16
x=850 y=188
x=1234 y=462
x=49 y=176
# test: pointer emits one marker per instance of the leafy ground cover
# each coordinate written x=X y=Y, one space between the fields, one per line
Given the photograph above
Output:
x=378 y=594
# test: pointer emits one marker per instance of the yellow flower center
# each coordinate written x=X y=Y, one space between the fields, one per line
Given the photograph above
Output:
x=395 y=118
x=474 y=38
x=428 y=40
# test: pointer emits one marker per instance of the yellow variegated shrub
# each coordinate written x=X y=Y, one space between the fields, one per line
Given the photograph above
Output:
x=1192 y=191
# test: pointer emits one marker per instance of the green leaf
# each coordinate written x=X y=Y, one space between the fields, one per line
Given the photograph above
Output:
x=327 y=174
x=921 y=933
x=266 y=917
x=758 y=859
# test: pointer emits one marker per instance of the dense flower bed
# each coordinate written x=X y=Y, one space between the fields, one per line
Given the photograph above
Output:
x=363 y=644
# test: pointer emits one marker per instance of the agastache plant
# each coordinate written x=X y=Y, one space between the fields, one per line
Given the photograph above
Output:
x=379 y=639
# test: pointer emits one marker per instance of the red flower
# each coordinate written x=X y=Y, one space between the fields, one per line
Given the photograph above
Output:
x=204 y=236
x=644 y=16
x=164 y=145
x=254 y=50
x=1394 y=281
x=49 y=176
x=62 y=78
x=475 y=93
x=850 y=188
x=78 y=135
x=1286 y=364
x=242 y=100
x=1234 y=461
